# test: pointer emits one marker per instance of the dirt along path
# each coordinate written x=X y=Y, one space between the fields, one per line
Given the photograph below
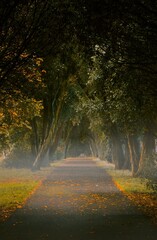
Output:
x=78 y=201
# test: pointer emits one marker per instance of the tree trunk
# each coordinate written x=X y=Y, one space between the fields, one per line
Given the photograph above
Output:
x=46 y=159
x=93 y=147
x=147 y=150
x=117 y=151
x=126 y=156
x=51 y=124
x=66 y=147
x=134 y=153
x=38 y=160
x=55 y=141
x=67 y=140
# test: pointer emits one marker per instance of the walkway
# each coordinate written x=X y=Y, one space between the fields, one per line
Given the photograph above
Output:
x=78 y=201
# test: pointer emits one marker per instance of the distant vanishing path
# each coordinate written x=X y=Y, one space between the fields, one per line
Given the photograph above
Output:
x=78 y=201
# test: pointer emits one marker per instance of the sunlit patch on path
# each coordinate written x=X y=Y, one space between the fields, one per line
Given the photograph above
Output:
x=78 y=201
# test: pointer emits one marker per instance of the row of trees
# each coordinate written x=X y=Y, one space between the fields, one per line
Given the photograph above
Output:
x=65 y=62
x=123 y=79
x=37 y=74
x=123 y=108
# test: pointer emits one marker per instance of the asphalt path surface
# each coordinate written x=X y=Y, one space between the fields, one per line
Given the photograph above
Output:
x=78 y=201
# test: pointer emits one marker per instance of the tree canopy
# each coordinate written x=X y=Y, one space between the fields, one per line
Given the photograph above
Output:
x=69 y=64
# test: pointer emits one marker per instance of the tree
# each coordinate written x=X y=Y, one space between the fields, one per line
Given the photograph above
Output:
x=129 y=105
x=107 y=48
x=61 y=81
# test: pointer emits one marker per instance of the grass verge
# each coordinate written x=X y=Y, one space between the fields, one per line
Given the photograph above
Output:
x=16 y=186
x=137 y=191
x=13 y=196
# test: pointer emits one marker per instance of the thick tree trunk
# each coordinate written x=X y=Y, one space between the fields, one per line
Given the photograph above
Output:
x=134 y=153
x=55 y=141
x=67 y=143
x=46 y=135
x=46 y=159
x=39 y=158
x=117 y=153
x=51 y=124
x=66 y=150
x=127 y=164
x=147 y=150
x=93 y=147
x=67 y=140
x=50 y=144
x=117 y=150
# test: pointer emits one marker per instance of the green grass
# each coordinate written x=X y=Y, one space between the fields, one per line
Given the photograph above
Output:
x=137 y=191
x=128 y=183
x=14 y=193
x=16 y=185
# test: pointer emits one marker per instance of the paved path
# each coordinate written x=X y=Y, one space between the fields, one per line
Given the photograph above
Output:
x=78 y=201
